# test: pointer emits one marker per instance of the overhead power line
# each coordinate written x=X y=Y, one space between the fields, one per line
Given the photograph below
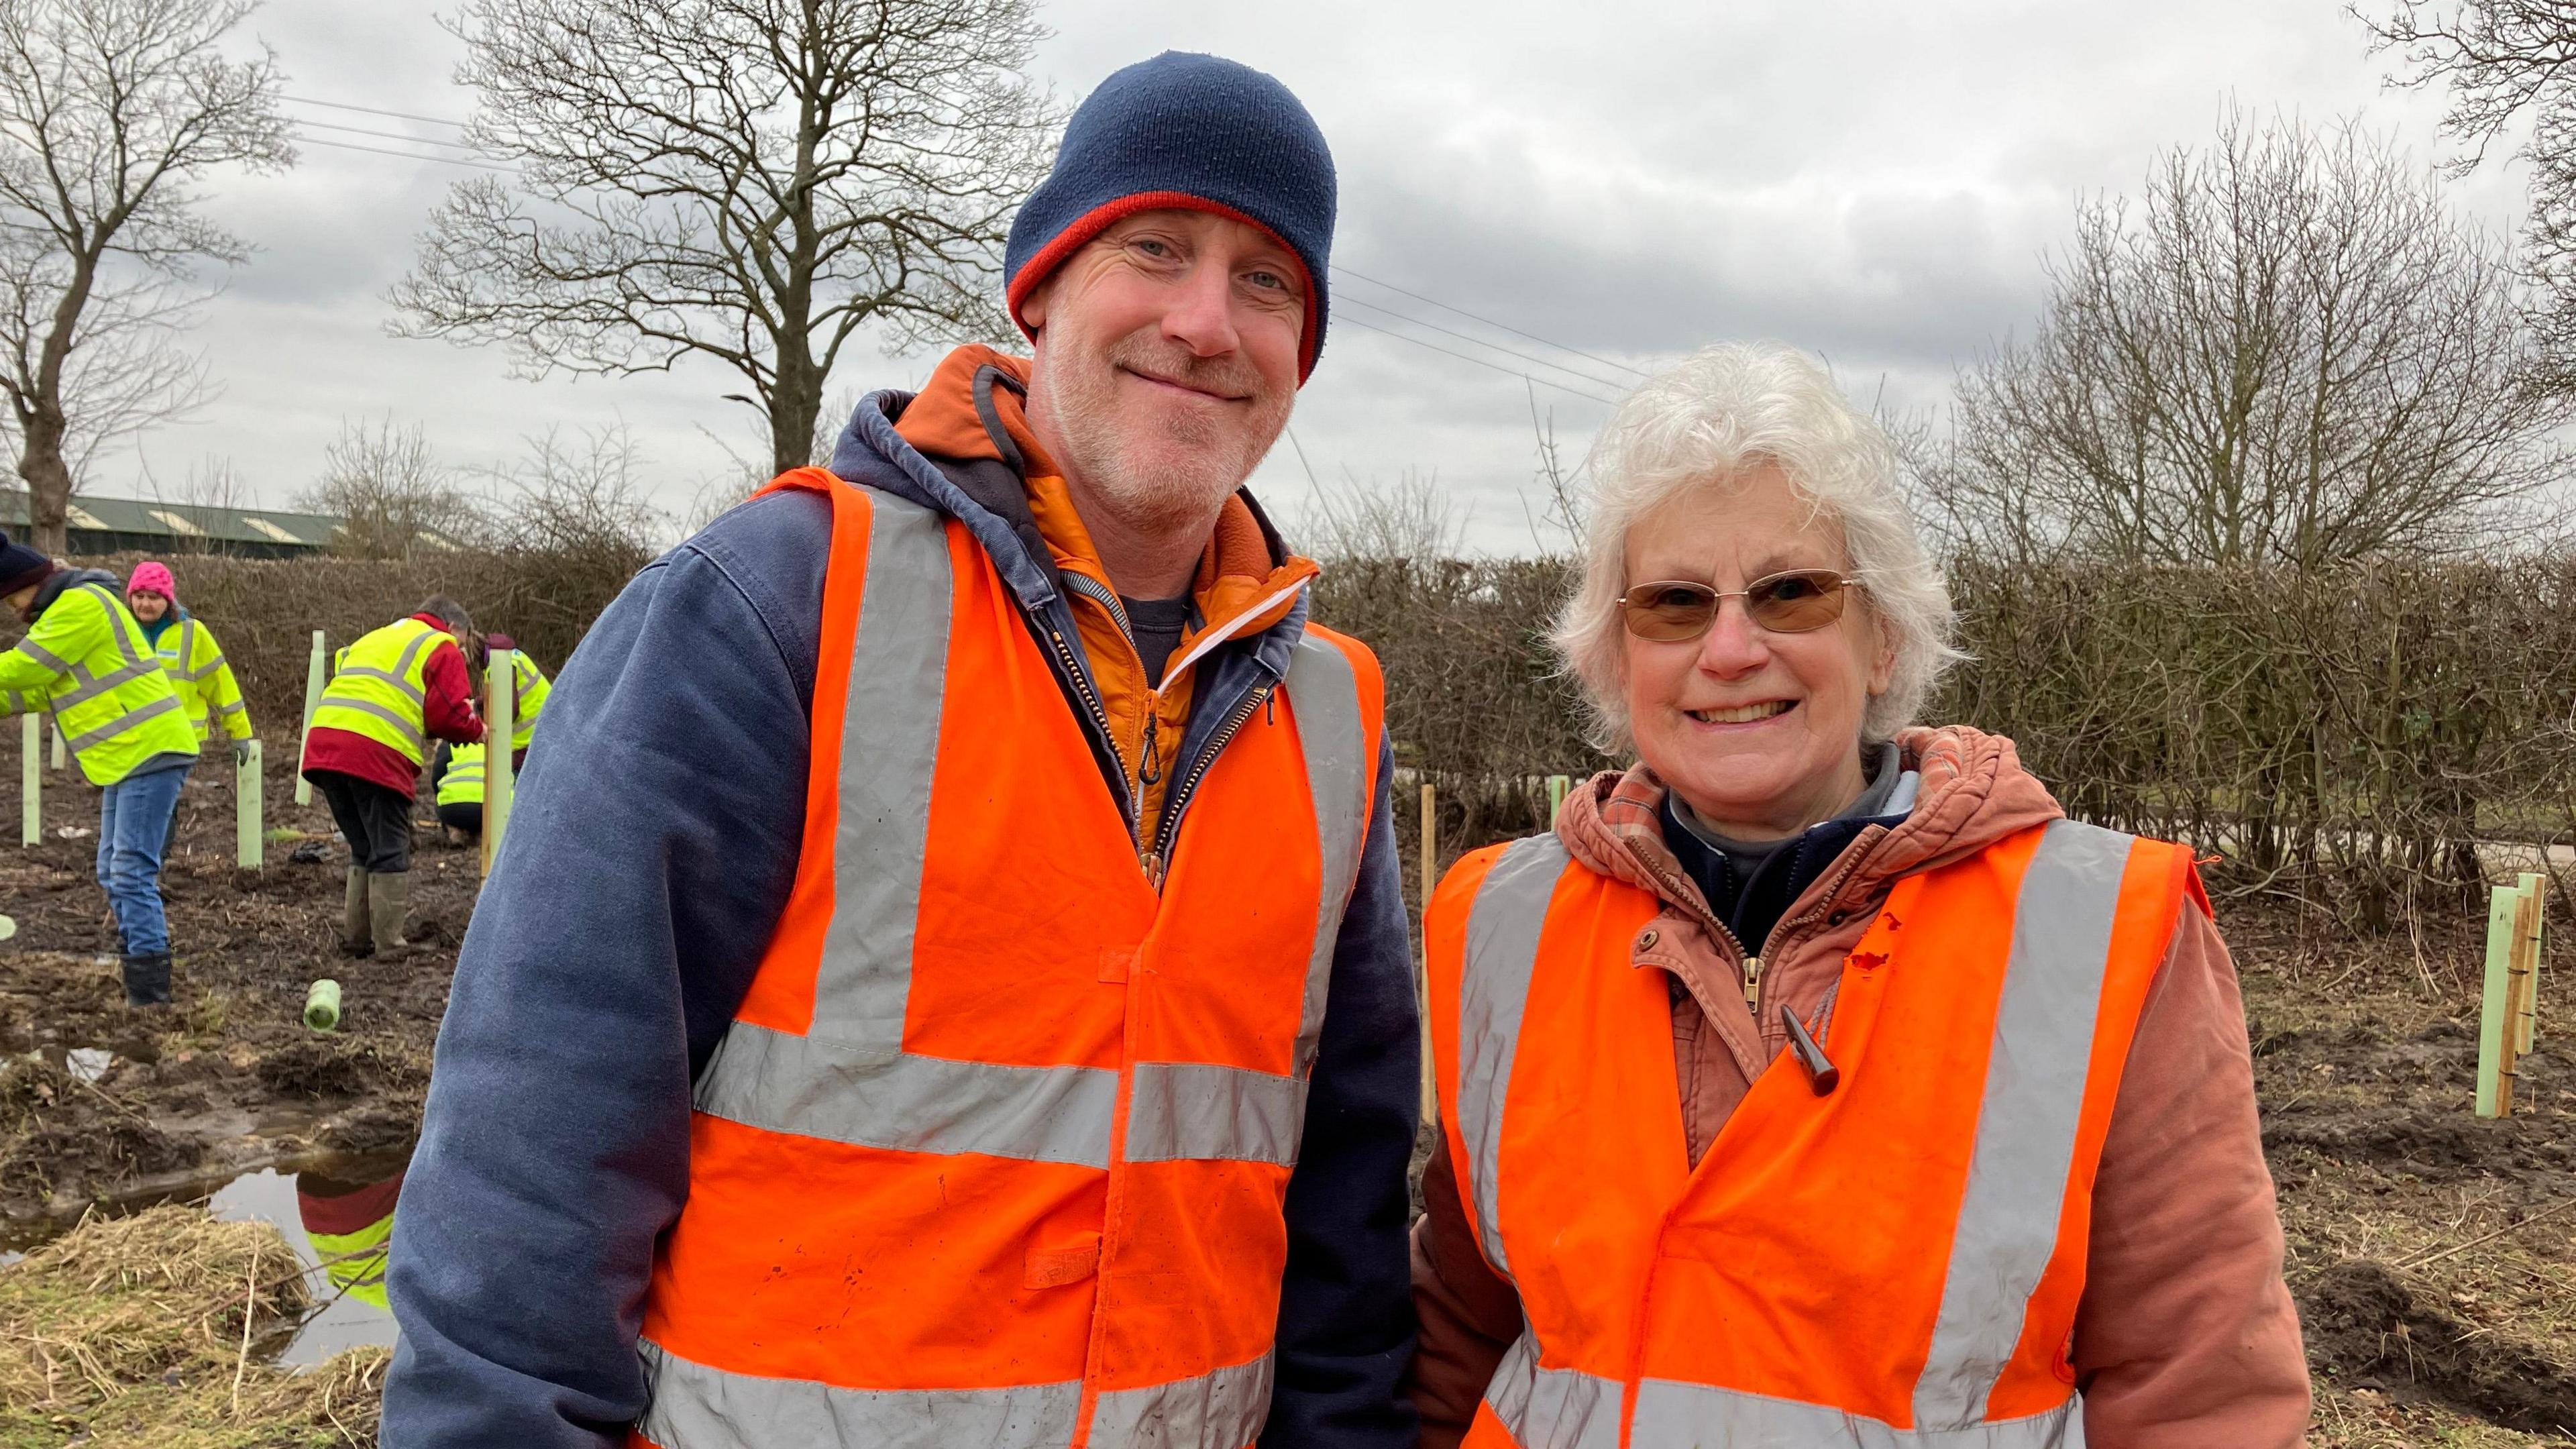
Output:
x=1482 y=362
x=1490 y=322
x=1481 y=342
x=378 y=111
x=406 y=155
x=383 y=135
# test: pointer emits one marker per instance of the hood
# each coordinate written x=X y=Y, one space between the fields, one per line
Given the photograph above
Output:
x=60 y=579
x=1973 y=792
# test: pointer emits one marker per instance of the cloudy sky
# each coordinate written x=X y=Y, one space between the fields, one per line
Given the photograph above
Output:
x=1874 y=180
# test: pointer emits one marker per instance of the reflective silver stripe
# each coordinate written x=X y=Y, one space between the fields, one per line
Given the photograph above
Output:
x=410 y=732
x=1686 y=1416
x=889 y=753
x=2034 y=1098
x=1501 y=953
x=697 y=1407
x=54 y=663
x=92 y=686
x=1184 y=1110
x=119 y=725
x=832 y=1090
x=1220 y=1410
x=1323 y=695
x=1547 y=1408
x=117 y=620
x=236 y=707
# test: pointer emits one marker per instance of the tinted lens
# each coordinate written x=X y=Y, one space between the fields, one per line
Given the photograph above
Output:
x=1667 y=612
x=1793 y=603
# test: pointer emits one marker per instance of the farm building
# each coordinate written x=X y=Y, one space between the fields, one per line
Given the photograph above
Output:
x=101 y=525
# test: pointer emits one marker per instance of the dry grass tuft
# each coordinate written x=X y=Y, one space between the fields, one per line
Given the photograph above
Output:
x=145 y=1330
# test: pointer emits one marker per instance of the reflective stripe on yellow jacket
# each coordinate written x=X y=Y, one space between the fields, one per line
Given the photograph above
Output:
x=528 y=698
x=85 y=659
x=378 y=689
x=203 y=679
x=1892 y=1258
x=996 y=1149
x=463 y=782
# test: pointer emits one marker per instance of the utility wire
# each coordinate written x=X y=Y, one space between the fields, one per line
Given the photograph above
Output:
x=406 y=155
x=384 y=135
x=1481 y=342
x=1481 y=362
x=1490 y=322
x=397 y=115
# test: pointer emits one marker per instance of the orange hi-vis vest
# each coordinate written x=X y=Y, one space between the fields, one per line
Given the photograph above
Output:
x=1893 y=1264
x=996 y=1149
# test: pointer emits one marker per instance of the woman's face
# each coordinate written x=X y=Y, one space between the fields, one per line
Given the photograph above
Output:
x=147 y=606
x=1758 y=732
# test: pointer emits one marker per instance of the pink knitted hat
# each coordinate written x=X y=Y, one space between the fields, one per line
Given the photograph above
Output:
x=153 y=578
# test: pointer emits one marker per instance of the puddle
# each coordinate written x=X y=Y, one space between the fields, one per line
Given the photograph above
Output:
x=339 y=1220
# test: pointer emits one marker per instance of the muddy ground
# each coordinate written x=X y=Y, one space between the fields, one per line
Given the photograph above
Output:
x=2433 y=1255
x=229 y=1080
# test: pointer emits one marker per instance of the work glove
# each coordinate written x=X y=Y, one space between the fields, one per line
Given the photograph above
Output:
x=241 y=752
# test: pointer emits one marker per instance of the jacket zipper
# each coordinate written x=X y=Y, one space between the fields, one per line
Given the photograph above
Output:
x=1179 y=799
x=1098 y=713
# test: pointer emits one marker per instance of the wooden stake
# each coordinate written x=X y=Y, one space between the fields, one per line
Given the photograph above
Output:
x=250 y=842
x=60 y=745
x=312 y=702
x=1422 y=980
x=2495 y=1041
x=31 y=828
x=2535 y=942
x=500 y=687
x=1430 y=847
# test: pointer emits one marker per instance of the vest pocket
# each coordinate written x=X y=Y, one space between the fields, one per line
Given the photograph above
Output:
x=1061 y=1266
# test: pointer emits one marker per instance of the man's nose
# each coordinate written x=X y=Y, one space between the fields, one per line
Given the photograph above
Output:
x=1202 y=312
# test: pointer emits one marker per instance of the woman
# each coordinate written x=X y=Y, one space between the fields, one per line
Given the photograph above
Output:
x=1816 y=1082
x=194 y=661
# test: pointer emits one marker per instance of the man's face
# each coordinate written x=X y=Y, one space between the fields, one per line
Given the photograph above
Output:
x=1166 y=363
x=20 y=599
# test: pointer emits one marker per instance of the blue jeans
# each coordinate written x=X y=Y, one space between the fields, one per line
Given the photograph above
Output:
x=133 y=820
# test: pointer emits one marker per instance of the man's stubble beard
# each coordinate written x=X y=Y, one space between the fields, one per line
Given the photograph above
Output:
x=1161 y=491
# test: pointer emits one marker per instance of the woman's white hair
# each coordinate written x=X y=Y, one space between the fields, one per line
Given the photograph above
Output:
x=1701 y=427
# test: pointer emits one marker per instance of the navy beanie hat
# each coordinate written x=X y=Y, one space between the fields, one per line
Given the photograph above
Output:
x=21 y=566
x=1189 y=131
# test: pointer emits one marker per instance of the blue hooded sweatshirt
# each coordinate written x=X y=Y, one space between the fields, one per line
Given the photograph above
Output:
x=649 y=857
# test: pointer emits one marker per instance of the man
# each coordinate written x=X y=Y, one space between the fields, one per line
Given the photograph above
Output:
x=85 y=658
x=1000 y=866
x=392 y=692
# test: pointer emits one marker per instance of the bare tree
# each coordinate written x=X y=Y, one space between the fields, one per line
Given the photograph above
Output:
x=2287 y=352
x=111 y=114
x=2504 y=60
x=751 y=182
x=392 y=495
x=1413 y=519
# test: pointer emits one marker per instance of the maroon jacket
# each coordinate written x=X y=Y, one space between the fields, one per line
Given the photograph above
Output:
x=449 y=715
x=2186 y=1337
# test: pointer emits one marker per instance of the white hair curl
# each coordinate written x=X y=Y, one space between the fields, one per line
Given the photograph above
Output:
x=1729 y=409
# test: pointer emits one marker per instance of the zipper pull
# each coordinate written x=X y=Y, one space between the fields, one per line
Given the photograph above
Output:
x=1149 y=770
x=1753 y=984
x=1154 y=870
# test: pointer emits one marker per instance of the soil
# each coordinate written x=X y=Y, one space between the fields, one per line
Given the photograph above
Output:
x=229 y=1080
x=2432 y=1254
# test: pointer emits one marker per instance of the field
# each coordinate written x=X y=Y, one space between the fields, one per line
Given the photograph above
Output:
x=2433 y=1255
x=230 y=1080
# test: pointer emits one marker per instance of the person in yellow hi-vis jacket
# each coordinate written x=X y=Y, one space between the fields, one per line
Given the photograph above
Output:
x=196 y=666
x=190 y=655
x=85 y=659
